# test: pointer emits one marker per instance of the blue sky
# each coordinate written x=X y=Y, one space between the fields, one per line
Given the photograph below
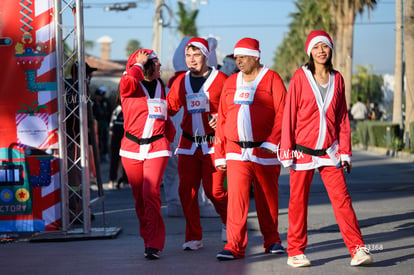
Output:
x=231 y=20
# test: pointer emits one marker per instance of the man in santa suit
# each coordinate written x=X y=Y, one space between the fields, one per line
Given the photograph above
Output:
x=247 y=138
x=316 y=135
x=198 y=92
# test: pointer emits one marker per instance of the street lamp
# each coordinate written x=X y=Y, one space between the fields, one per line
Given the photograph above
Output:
x=121 y=6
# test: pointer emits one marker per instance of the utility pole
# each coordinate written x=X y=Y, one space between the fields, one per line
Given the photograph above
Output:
x=398 y=70
x=157 y=38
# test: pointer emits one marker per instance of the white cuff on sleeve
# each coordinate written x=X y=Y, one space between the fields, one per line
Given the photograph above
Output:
x=345 y=158
x=139 y=64
x=272 y=147
x=287 y=163
x=219 y=162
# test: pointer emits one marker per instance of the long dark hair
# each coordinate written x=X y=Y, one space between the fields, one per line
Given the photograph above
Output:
x=149 y=67
x=311 y=64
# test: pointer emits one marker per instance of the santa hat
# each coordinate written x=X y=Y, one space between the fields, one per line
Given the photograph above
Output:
x=247 y=46
x=200 y=43
x=315 y=37
x=133 y=58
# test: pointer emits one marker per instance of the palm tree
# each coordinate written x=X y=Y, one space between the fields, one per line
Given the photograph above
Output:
x=132 y=46
x=187 y=25
x=291 y=54
x=409 y=65
x=344 y=12
x=89 y=44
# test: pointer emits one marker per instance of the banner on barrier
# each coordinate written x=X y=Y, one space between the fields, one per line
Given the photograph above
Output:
x=29 y=182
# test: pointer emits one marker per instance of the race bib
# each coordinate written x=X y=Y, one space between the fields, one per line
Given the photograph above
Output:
x=333 y=153
x=244 y=95
x=157 y=108
x=198 y=103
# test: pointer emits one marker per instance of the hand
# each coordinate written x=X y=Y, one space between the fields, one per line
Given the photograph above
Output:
x=267 y=151
x=212 y=121
x=222 y=167
x=347 y=166
x=142 y=57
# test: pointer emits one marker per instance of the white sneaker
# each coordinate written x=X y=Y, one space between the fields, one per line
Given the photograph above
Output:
x=193 y=245
x=223 y=232
x=361 y=257
x=298 y=261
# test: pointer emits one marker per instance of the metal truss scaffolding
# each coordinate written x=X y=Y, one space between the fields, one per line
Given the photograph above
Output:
x=73 y=146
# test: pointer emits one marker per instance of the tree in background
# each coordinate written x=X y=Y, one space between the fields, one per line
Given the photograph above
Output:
x=337 y=17
x=89 y=44
x=132 y=46
x=291 y=54
x=343 y=14
x=366 y=85
x=187 y=25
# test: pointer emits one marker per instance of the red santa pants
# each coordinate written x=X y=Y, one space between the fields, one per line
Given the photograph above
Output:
x=240 y=175
x=334 y=181
x=145 y=180
x=194 y=169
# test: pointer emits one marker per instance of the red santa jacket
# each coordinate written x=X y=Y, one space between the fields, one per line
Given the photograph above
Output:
x=195 y=121
x=310 y=121
x=136 y=104
x=260 y=122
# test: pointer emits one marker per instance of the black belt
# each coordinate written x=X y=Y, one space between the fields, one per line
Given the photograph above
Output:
x=309 y=151
x=199 y=139
x=142 y=141
x=248 y=144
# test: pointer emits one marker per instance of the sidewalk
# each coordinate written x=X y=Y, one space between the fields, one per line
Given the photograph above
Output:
x=382 y=190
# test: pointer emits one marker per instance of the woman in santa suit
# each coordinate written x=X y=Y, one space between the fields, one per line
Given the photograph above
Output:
x=316 y=135
x=145 y=146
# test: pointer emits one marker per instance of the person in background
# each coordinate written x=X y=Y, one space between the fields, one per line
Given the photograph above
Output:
x=247 y=139
x=102 y=113
x=145 y=147
x=316 y=135
x=116 y=132
x=359 y=110
x=229 y=65
x=375 y=112
x=198 y=92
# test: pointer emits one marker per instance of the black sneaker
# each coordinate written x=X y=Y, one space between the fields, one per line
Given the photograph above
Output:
x=275 y=248
x=151 y=253
x=225 y=255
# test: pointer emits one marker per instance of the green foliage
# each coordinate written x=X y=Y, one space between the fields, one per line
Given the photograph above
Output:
x=291 y=54
x=366 y=85
x=412 y=137
x=132 y=46
x=187 y=25
x=374 y=133
x=89 y=44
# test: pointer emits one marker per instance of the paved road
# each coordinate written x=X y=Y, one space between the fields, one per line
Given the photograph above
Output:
x=382 y=190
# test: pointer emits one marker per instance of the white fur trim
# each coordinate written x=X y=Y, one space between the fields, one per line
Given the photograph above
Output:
x=316 y=40
x=245 y=51
x=199 y=45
